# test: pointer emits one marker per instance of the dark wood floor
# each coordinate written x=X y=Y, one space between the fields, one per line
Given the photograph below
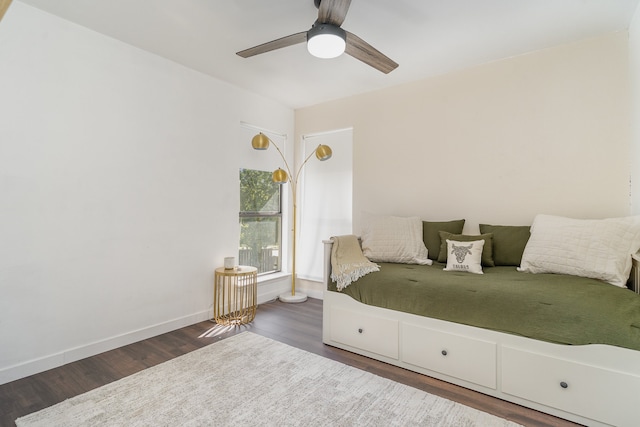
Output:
x=299 y=325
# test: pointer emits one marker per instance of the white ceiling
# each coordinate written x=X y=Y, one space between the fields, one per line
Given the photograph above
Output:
x=426 y=37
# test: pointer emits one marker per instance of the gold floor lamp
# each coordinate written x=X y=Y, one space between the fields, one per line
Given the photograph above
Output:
x=322 y=152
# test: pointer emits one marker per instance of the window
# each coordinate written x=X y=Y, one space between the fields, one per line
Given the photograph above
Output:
x=260 y=221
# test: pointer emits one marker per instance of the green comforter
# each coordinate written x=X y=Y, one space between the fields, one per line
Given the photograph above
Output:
x=551 y=307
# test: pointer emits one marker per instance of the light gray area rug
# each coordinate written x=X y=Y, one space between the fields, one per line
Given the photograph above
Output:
x=251 y=380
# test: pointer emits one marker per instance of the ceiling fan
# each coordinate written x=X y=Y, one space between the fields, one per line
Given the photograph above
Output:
x=326 y=39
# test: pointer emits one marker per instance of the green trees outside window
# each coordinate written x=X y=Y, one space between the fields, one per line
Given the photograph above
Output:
x=260 y=221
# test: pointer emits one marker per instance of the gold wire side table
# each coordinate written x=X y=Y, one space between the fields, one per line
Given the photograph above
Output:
x=235 y=295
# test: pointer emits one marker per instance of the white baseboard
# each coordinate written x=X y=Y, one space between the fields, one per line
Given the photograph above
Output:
x=267 y=290
x=270 y=289
x=271 y=286
x=311 y=287
x=51 y=361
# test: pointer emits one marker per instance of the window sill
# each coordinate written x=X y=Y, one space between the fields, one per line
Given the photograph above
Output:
x=267 y=278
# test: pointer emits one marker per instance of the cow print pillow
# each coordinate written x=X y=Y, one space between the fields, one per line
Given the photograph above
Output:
x=464 y=256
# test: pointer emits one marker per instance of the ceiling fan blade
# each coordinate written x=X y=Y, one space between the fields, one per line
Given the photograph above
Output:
x=366 y=53
x=333 y=11
x=274 y=44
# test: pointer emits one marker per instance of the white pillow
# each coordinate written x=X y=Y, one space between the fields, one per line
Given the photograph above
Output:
x=464 y=256
x=394 y=239
x=596 y=248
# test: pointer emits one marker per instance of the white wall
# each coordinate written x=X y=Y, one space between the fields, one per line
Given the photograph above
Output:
x=118 y=190
x=545 y=132
x=117 y=169
x=634 y=73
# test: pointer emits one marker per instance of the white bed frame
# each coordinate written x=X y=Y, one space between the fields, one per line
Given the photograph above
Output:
x=595 y=385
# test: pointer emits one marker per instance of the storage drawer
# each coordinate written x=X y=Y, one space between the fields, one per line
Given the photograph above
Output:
x=371 y=333
x=458 y=356
x=572 y=387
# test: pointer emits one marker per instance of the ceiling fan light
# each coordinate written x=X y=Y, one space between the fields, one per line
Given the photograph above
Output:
x=326 y=41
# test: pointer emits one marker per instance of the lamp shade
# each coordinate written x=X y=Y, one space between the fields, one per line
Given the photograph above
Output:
x=280 y=176
x=260 y=142
x=323 y=152
x=326 y=41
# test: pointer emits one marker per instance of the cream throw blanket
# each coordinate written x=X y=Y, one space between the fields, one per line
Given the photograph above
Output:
x=348 y=264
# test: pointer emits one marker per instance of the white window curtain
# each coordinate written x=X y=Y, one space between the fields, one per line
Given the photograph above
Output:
x=325 y=202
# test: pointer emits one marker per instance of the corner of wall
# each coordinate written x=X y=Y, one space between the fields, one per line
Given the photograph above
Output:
x=634 y=75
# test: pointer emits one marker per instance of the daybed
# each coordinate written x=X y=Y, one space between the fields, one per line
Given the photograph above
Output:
x=564 y=344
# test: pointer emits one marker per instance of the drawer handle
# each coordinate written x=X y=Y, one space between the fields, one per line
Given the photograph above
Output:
x=564 y=385
x=444 y=352
x=359 y=330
